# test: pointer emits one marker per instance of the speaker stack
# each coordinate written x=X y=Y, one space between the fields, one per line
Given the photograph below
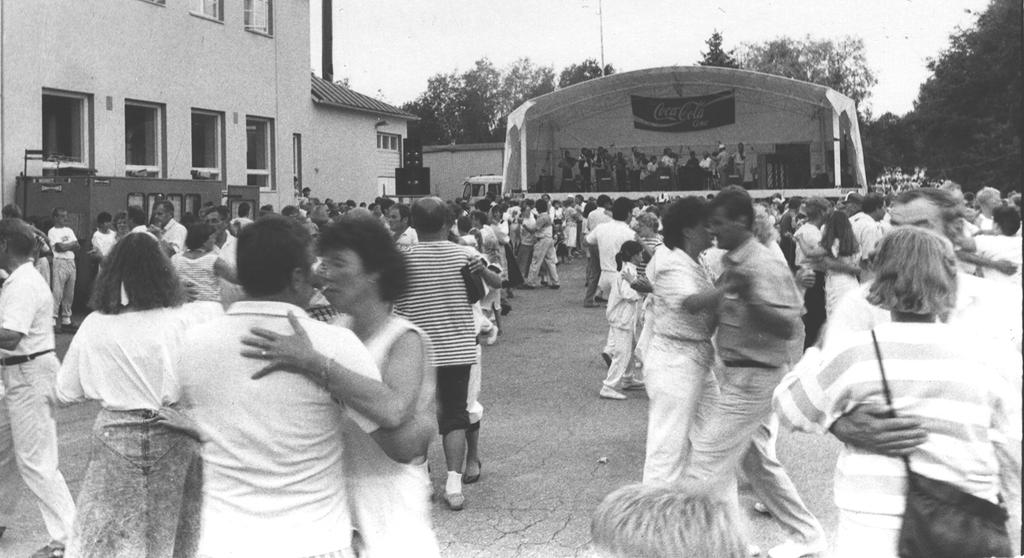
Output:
x=412 y=179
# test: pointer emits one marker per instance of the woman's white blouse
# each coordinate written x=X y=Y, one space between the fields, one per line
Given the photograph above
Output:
x=127 y=361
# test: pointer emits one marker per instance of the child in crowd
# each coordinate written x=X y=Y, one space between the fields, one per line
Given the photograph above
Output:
x=623 y=308
x=201 y=267
x=104 y=237
x=665 y=521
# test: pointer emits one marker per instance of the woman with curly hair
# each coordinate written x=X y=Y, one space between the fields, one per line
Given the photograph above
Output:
x=141 y=491
x=963 y=387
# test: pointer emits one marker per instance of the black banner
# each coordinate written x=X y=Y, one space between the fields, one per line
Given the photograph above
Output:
x=684 y=114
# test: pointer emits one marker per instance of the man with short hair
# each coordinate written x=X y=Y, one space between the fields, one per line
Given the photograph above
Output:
x=869 y=228
x=398 y=221
x=436 y=301
x=758 y=306
x=273 y=483
x=28 y=368
x=243 y=220
x=601 y=214
x=170 y=232
x=64 y=243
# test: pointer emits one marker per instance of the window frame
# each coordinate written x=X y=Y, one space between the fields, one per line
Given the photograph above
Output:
x=389 y=139
x=160 y=138
x=247 y=11
x=86 y=131
x=199 y=11
x=271 y=184
x=218 y=135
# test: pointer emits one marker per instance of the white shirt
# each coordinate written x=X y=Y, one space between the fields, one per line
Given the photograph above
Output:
x=1000 y=247
x=63 y=235
x=596 y=217
x=174 y=234
x=807 y=236
x=26 y=307
x=104 y=242
x=141 y=229
x=407 y=239
x=609 y=238
x=273 y=484
x=868 y=233
x=126 y=361
x=229 y=250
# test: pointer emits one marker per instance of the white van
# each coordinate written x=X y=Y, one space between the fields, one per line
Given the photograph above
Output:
x=477 y=187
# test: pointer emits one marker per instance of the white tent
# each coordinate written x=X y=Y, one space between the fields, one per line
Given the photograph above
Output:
x=769 y=111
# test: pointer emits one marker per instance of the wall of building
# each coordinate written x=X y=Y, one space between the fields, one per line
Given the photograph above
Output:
x=451 y=165
x=344 y=162
x=141 y=50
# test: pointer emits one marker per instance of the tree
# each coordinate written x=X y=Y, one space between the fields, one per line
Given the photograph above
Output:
x=586 y=70
x=968 y=113
x=840 y=65
x=889 y=143
x=472 y=106
x=716 y=55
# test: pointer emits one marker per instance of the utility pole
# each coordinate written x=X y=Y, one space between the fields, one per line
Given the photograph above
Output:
x=600 y=21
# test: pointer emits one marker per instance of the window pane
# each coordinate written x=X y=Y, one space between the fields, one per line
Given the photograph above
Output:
x=62 y=127
x=205 y=148
x=140 y=135
x=256 y=144
x=209 y=8
x=257 y=15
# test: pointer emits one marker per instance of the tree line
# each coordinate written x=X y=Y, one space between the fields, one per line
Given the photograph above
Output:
x=966 y=124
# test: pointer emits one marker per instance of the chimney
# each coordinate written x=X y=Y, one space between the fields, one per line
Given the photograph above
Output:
x=327 y=41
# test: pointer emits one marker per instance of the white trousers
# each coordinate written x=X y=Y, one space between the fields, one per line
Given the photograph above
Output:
x=676 y=387
x=28 y=445
x=63 y=288
x=867 y=534
x=620 y=347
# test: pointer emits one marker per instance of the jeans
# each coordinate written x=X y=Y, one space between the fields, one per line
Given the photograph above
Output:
x=735 y=434
x=593 y=274
x=63 y=289
x=142 y=491
x=28 y=444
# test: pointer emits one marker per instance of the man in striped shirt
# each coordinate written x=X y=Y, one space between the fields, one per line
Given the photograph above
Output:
x=436 y=301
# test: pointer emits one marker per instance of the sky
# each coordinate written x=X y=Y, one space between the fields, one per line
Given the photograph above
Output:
x=389 y=49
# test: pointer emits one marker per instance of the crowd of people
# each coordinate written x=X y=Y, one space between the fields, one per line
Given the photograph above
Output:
x=346 y=337
x=604 y=170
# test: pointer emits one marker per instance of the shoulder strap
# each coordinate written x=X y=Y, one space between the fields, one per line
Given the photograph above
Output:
x=885 y=389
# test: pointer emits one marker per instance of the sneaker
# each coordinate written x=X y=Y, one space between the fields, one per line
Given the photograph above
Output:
x=761 y=508
x=554 y=286
x=633 y=384
x=52 y=550
x=795 y=549
x=609 y=393
x=455 y=501
x=491 y=336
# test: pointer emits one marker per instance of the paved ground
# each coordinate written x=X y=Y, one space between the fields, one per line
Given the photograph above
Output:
x=543 y=435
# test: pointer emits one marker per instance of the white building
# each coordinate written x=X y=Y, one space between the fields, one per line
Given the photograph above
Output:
x=212 y=90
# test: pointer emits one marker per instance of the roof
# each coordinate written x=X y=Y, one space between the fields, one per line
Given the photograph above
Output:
x=339 y=96
x=464 y=147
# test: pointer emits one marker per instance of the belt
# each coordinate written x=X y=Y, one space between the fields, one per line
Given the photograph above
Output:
x=22 y=359
x=748 y=364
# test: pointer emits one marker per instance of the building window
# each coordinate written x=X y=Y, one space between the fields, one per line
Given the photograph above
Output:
x=388 y=141
x=66 y=128
x=259 y=134
x=143 y=139
x=259 y=16
x=206 y=145
x=213 y=9
x=297 y=162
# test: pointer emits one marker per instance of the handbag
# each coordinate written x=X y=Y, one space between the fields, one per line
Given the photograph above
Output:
x=474 y=284
x=942 y=521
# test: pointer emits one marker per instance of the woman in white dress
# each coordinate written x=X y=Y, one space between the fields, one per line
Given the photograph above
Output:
x=385 y=471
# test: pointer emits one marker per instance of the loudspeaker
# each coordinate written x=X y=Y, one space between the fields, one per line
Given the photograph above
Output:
x=412 y=153
x=412 y=181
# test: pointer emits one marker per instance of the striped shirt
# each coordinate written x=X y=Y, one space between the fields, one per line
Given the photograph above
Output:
x=965 y=390
x=436 y=300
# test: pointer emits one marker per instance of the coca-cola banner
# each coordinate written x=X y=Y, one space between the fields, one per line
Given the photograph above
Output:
x=684 y=114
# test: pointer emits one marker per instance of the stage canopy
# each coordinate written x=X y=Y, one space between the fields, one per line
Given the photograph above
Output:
x=685 y=108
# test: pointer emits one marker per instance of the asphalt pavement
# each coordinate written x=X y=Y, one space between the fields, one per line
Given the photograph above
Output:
x=551 y=448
